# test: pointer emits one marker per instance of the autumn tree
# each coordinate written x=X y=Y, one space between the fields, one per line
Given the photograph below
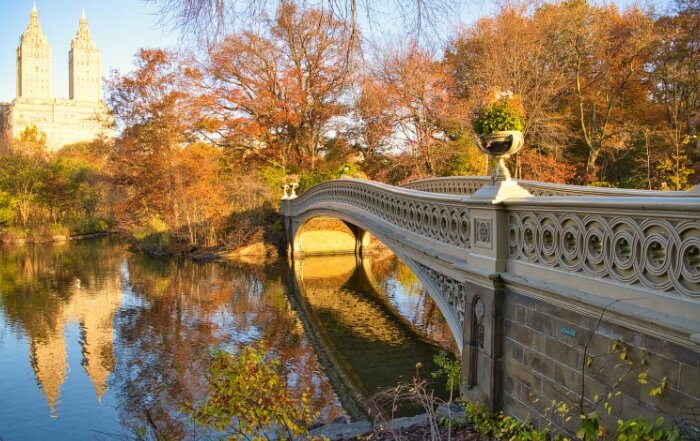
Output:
x=419 y=95
x=514 y=51
x=147 y=104
x=23 y=175
x=676 y=90
x=151 y=162
x=375 y=122
x=203 y=200
x=30 y=143
x=274 y=92
x=605 y=51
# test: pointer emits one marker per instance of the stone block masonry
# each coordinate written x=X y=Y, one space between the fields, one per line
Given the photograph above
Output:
x=546 y=348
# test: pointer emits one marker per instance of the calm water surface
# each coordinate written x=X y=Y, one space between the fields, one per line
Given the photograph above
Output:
x=97 y=342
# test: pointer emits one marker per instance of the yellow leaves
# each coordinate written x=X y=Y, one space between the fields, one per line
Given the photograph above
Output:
x=607 y=407
x=617 y=345
x=658 y=390
x=562 y=408
x=247 y=387
x=642 y=377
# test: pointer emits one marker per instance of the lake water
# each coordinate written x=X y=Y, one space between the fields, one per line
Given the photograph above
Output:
x=97 y=342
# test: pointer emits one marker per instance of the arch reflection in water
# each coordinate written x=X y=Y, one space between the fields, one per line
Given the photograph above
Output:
x=365 y=339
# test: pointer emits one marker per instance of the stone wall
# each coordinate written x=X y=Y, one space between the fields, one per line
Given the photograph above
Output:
x=543 y=357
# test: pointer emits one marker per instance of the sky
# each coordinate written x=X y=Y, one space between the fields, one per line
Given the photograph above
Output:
x=119 y=28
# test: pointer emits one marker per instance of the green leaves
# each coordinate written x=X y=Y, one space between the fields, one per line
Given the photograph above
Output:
x=499 y=115
x=640 y=429
x=501 y=426
x=450 y=368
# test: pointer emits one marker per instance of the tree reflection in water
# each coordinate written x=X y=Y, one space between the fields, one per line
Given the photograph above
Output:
x=185 y=309
x=147 y=328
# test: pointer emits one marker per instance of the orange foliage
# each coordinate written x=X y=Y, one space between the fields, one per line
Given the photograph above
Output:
x=420 y=97
x=154 y=168
x=545 y=168
x=274 y=93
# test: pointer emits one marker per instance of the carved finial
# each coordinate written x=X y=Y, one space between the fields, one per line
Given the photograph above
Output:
x=293 y=186
x=34 y=7
x=82 y=15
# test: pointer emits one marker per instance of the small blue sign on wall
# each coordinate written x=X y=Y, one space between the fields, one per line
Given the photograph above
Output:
x=569 y=332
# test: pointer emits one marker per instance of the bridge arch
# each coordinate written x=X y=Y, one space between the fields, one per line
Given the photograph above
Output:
x=362 y=230
x=318 y=235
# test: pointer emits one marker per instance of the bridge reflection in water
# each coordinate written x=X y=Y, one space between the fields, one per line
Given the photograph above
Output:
x=364 y=340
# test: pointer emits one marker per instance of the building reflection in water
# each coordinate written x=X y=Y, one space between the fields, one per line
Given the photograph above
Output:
x=44 y=292
x=94 y=312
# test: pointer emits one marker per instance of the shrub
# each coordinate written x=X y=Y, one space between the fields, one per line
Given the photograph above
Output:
x=153 y=237
x=249 y=399
x=500 y=111
x=7 y=209
x=450 y=368
x=640 y=429
x=88 y=225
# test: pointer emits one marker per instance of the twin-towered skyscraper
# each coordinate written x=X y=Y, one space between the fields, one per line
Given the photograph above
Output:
x=79 y=118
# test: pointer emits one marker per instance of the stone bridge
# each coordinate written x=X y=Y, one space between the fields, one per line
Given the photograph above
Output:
x=538 y=280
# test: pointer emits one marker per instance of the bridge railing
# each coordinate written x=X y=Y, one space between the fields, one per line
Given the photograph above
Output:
x=639 y=255
x=468 y=185
x=440 y=217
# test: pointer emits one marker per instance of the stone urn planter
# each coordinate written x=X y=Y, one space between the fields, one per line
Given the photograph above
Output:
x=500 y=145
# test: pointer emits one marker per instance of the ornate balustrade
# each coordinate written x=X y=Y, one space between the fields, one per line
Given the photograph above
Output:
x=638 y=256
x=442 y=218
x=652 y=243
x=468 y=185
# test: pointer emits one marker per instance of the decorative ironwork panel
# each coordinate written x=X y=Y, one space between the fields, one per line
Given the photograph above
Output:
x=656 y=253
x=444 y=221
x=452 y=292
